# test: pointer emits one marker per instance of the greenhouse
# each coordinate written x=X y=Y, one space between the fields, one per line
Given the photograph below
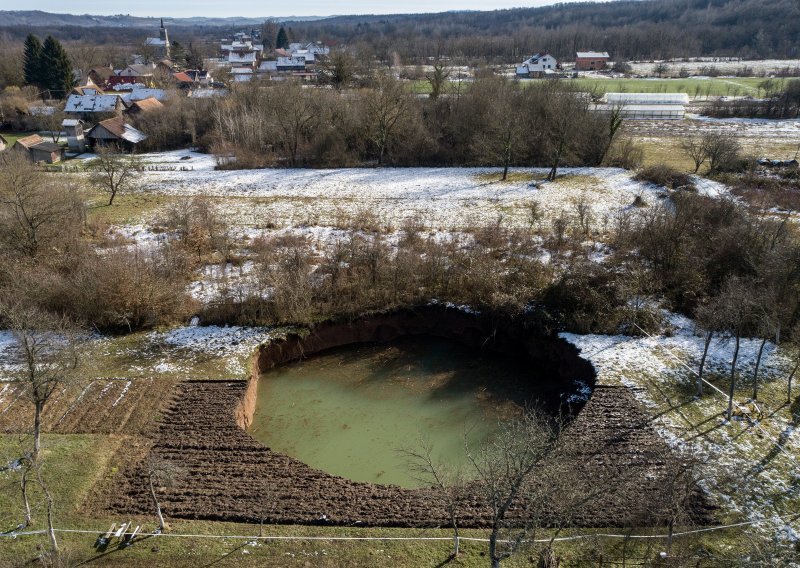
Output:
x=647 y=98
x=646 y=106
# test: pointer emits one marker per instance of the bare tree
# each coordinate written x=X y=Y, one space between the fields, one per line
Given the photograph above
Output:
x=438 y=78
x=295 y=113
x=562 y=124
x=504 y=468
x=446 y=480
x=114 y=173
x=503 y=132
x=388 y=105
x=36 y=211
x=696 y=150
x=708 y=317
x=48 y=352
x=722 y=151
x=161 y=473
x=737 y=313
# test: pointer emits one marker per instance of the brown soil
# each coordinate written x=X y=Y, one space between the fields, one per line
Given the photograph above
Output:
x=221 y=473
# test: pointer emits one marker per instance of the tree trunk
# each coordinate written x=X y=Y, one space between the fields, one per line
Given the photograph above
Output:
x=669 y=535
x=709 y=336
x=37 y=432
x=505 y=172
x=733 y=377
x=51 y=532
x=161 y=524
x=24 y=486
x=791 y=376
x=758 y=364
x=111 y=199
x=493 y=556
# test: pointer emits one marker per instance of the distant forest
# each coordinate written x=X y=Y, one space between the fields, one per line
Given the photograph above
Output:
x=650 y=29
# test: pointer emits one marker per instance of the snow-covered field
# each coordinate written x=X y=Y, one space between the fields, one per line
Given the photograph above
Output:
x=441 y=198
x=660 y=371
x=763 y=66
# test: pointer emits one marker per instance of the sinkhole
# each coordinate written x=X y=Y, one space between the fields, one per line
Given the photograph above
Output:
x=348 y=399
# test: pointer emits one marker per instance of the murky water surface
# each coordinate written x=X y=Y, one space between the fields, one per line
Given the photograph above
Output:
x=349 y=411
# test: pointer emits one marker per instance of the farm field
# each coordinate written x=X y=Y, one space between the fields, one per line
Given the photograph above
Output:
x=130 y=377
x=695 y=87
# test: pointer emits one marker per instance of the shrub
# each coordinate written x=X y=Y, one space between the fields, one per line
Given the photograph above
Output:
x=665 y=176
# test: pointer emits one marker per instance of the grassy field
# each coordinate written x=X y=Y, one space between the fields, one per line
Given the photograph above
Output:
x=75 y=462
x=735 y=86
x=12 y=137
x=692 y=87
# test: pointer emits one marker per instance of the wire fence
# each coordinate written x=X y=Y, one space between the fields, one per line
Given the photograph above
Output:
x=310 y=538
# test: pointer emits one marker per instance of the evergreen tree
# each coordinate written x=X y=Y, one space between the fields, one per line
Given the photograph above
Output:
x=58 y=68
x=32 y=61
x=283 y=40
x=194 y=57
x=178 y=55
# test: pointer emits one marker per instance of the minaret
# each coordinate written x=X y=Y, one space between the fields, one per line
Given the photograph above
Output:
x=165 y=38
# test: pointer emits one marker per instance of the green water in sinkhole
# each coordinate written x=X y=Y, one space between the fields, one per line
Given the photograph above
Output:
x=350 y=411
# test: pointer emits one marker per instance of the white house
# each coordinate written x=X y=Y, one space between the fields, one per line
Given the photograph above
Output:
x=537 y=65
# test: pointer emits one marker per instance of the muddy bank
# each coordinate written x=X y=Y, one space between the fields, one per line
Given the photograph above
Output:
x=557 y=363
x=224 y=474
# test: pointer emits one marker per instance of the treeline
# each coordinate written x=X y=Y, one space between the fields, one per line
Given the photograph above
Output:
x=778 y=102
x=494 y=122
x=652 y=29
x=655 y=29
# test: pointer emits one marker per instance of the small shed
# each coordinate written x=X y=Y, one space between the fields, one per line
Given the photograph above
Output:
x=74 y=131
x=117 y=133
x=37 y=150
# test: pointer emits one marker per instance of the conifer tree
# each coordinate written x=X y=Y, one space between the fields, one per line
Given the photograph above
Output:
x=58 y=68
x=32 y=61
x=282 y=42
x=178 y=55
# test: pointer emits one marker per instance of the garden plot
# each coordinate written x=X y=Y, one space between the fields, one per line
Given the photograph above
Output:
x=746 y=469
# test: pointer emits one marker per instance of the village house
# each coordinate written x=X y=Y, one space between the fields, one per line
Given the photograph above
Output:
x=134 y=70
x=591 y=60
x=99 y=75
x=116 y=133
x=37 y=150
x=143 y=106
x=93 y=107
x=538 y=65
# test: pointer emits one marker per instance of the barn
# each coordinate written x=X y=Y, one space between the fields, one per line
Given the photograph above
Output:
x=37 y=150
x=115 y=132
x=591 y=60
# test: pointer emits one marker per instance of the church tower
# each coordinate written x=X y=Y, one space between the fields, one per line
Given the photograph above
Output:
x=164 y=38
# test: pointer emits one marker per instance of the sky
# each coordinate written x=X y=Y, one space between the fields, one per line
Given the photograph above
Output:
x=255 y=8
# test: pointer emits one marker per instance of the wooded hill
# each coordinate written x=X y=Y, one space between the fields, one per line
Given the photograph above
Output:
x=650 y=29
